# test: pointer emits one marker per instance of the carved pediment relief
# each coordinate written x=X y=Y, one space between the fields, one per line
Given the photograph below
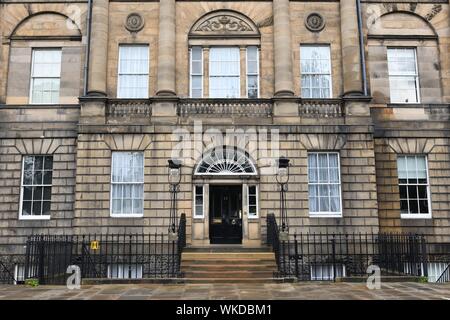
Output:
x=224 y=23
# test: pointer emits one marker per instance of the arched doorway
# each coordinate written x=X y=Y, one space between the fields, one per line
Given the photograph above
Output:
x=225 y=204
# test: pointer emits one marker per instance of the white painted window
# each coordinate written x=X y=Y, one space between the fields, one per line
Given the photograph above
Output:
x=133 y=71
x=324 y=184
x=413 y=186
x=315 y=64
x=45 y=76
x=36 y=188
x=19 y=273
x=252 y=72
x=252 y=201
x=224 y=72
x=127 y=182
x=125 y=271
x=196 y=72
x=403 y=75
x=199 y=201
x=325 y=272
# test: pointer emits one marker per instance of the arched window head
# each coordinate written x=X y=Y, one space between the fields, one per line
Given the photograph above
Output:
x=225 y=161
x=224 y=23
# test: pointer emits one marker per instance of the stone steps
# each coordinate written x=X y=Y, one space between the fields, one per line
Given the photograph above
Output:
x=229 y=280
x=235 y=265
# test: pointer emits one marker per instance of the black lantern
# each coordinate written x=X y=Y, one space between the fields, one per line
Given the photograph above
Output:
x=283 y=179
x=174 y=175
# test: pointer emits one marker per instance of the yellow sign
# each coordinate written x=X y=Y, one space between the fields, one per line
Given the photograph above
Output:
x=95 y=245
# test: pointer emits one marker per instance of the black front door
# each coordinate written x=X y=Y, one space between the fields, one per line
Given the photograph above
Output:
x=225 y=214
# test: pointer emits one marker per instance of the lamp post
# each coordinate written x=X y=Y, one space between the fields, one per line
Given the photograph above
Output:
x=283 y=179
x=174 y=173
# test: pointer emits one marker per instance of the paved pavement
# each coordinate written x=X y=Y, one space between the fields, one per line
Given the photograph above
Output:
x=306 y=291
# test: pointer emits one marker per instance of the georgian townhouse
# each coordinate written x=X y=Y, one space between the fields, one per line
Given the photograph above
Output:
x=96 y=96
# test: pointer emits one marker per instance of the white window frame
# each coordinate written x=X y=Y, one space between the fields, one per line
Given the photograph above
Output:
x=239 y=74
x=416 y=76
x=126 y=215
x=201 y=74
x=257 y=201
x=121 y=268
x=252 y=74
x=32 y=217
x=325 y=272
x=417 y=215
x=134 y=74
x=320 y=74
x=330 y=214
x=32 y=77
x=196 y=216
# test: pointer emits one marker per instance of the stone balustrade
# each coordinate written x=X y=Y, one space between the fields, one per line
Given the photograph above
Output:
x=118 y=108
x=137 y=108
x=225 y=107
x=321 y=108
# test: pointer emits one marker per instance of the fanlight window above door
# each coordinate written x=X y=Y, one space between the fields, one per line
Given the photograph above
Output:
x=225 y=161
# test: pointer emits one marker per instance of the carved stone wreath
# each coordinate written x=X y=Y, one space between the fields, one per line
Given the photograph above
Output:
x=315 y=22
x=134 y=22
x=224 y=24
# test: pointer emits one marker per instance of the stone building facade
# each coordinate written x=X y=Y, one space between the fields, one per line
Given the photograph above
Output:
x=382 y=106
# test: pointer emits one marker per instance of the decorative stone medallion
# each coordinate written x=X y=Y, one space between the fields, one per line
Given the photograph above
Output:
x=315 y=22
x=134 y=22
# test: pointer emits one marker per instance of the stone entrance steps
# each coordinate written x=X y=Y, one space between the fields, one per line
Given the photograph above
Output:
x=232 y=265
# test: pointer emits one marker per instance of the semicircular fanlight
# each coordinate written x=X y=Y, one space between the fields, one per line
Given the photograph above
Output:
x=225 y=161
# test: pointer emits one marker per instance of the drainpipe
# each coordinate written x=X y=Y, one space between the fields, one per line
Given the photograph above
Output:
x=88 y=47
x=361 y=48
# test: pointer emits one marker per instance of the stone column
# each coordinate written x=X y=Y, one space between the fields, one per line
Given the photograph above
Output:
x=166 y=49
x=351 y=58
x=284 y=84
x=99 y=49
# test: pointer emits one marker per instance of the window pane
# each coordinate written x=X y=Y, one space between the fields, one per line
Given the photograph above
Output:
x=324 y=204
x=224 y=68
x=196 y=53
x=133 y=72
x=37 y=206
x=324 y=182
x=127 y=182
x=138 y=206
x=423 y=206
x=315 y=71
x=403 y=75
x=28 y=193
x=45 y=76
x=413 y=184
x=413 y=206
x=224 y=87
x=33 y=191
x=26 y=208
x=46 y=208
x=47 y=177
x=199 y=200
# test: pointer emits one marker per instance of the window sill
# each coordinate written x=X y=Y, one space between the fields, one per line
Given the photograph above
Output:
x=325 y=215
x=124 y=215
x=34 y=217
x=253 y=218
x=415 y=216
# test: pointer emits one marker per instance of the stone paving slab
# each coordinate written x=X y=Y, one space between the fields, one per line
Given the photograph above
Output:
x=264 y=291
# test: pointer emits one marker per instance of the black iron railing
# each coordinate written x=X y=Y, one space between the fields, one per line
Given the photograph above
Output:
x=6 y=274
x=114 y=256
x=328 y=256
x=445 y=276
